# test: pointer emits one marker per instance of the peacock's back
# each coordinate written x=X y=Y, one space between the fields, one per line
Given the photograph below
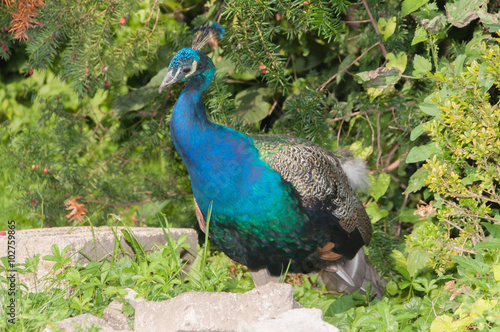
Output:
x=325 y=191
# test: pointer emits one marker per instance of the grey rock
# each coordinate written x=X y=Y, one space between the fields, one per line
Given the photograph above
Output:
x=201 y=311
x=132 y=297
x=83 y=323
x=114 y=316
x=93 y=242
x=296 y=320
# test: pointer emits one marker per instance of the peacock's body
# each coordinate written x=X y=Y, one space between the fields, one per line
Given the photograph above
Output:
x=276 y=201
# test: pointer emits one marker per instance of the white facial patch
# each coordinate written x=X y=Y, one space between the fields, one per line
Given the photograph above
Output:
x=193 y=68
x=176 y=74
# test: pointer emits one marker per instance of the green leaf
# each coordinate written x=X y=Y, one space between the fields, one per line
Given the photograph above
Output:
x=417 y=131
x=398 y=62
x=375 y=213
x=74 y=277
x=461 y=13
x=496 y=271
x=459 y=64
x=409 y=6
x=417 y=259
x=420 y=35
x=379 y=78
x=417 y=181
x=399 y=258
x=485 y=77
x=132 y=241
x=407 y=215
x=490 y=21
x=251 y=105
x=136 y=100
x=386 y=26
x=472 y=265
x=340 y=305
x=432 y=21
x=392 y=288
x=491 y=244
x=345 y=62
x=417 y=286
x=421 y=66
x=359 y=151
x=448 y=323
x=430 y=107
x=421 y=153
x=404 y=283
x=379 y=186
x=494 y=229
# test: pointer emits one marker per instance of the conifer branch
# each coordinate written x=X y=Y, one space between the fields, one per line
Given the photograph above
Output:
x=23 y=17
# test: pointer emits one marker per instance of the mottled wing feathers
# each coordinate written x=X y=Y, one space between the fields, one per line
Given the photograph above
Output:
x=317 y=176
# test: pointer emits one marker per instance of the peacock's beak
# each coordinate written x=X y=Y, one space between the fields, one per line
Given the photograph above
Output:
x=169 y=79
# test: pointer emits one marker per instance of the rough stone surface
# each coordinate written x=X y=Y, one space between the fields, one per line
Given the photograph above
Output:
x=95 y=243
x=296 y=320
x=83 y=323
x=268 y=308
x=114 y=316
x=196 y=311
x=132 y=297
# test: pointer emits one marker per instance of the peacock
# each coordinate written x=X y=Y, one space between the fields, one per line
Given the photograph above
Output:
x=277 y=203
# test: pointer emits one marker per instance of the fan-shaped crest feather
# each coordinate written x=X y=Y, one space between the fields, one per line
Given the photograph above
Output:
x=206 y=33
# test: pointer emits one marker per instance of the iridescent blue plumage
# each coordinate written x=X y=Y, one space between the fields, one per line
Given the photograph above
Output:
x=276 y=200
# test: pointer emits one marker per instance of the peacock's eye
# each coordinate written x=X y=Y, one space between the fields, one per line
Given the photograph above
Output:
x=186 y=69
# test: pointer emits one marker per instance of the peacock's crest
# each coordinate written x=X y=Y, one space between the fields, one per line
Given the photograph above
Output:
x=206 y=33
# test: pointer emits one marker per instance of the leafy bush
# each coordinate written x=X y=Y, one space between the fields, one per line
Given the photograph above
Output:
x=461 y=171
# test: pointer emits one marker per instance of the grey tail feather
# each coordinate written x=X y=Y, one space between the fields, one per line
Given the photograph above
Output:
x=356 y=171
x=349 y=275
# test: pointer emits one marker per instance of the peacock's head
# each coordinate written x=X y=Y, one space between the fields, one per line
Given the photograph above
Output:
x=186 y=64
x=190 y=62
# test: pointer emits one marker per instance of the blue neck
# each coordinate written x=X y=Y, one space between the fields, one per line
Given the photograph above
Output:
x=213 y=154
x=189 y=126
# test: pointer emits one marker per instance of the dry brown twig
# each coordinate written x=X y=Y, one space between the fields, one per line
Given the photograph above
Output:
x=78 y=209
x=425 y=210
x=23 y=17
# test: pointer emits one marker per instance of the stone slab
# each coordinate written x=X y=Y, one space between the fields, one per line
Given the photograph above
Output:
x=84 y=322
x=114 y=316
x=296 y=320
x=94 y=243
x=202 y=311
